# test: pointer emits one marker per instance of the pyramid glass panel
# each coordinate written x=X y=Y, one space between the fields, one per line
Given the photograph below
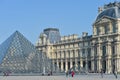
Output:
x=19 y=55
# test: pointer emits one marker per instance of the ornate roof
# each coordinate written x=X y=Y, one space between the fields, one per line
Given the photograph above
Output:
x=111 y=10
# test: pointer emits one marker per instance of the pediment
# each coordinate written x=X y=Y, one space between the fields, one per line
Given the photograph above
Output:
x=104 y=19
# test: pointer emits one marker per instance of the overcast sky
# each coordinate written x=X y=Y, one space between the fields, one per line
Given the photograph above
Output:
x=30 y=17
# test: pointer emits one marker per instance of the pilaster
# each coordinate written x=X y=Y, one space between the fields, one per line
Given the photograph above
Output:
x=76 y=58
x=61 y=65
x=86 y=60
x=57 y=66
x=71 y=64
x=108 y=58
x=66 y=65
x=99 y=57
x=92 y=58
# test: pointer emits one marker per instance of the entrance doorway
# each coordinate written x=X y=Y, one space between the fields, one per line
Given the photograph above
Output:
x=89 y=65
x=84 y=63
x=104 y=58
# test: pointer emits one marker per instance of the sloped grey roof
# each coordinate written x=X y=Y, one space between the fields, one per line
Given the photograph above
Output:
x=113 y=12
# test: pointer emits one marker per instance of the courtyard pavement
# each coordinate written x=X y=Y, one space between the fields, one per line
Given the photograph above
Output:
x=62 y=77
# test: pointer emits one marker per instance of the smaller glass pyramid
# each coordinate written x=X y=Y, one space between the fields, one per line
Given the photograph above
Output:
x=18 y=55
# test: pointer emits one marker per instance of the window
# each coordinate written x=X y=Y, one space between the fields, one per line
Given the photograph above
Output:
x=115 y=28
x=86 y=43
x=104 y=51
x=113 y=50
x=89 y=52
x=105 y=29
x=97 y=30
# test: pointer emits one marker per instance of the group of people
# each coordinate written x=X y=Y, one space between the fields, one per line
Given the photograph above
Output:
x=6 y=73
x=48 y=74
x=70 y=73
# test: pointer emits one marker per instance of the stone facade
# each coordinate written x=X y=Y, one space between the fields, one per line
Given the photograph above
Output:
x=90 y=52
x=106 y=39
x=71 y=51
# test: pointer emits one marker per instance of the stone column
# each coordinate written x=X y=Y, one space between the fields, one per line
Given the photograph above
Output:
x=99 y=57
x=118 y=65
x=66 y=65
x=115 y=65
x=76 y=58
x=115 y=62
x=71 y=65
x=108 y=66
x=62 y=65
x=81 y=61
x=57 y=66
x=108 y=58
x=117 y=58
x=92 y=58
x=118 y=55
x=86 y=60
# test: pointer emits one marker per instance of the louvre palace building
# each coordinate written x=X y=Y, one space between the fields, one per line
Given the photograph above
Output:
x=90 y=53
x=55 y=53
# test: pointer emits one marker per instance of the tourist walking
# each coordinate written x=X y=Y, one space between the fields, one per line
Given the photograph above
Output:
x=72 y=73
x=66 y=73
x=69 y=73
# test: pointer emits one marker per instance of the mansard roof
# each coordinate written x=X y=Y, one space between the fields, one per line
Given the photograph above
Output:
x=111 y=10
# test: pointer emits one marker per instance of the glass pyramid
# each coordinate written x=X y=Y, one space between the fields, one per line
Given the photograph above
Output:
x=19 y=55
